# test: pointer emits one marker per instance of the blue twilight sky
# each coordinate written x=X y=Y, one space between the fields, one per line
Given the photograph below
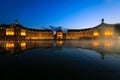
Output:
x=65 y=13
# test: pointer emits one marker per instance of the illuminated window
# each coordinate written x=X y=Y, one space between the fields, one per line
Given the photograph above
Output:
x=95 y=33
x=9 y=31
x=23 y=33
x=34 y=37
x=108 y=33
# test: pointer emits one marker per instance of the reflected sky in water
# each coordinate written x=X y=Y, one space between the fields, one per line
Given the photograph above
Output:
x=69 y=57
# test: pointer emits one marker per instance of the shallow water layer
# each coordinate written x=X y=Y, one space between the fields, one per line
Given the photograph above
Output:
x=71 y=59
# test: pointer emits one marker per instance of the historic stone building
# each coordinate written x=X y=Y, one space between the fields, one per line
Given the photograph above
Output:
x=101 y=31
x=19 y=33
x=79 y=34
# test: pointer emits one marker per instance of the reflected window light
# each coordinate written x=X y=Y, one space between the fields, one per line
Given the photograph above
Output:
x=23 y=45
x=60 y=43
x=95 y=43
x=108 y=44
x=9 y=46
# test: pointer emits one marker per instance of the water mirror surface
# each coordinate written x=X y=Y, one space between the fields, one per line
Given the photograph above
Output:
x=62 y=59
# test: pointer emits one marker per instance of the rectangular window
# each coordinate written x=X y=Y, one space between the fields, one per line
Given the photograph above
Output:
x=10 y=31
x=95 y=33
x=108 y=33
x=23 y=33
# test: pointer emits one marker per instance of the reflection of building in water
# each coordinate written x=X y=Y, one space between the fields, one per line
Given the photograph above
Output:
x=101 y=46
x=105 y=44
x=95 y=43
x=60 y=43
x=16 y=47
x=18 y=32
x=108 y=44
x=40 y=44
x=23 y=45
x=10 y=46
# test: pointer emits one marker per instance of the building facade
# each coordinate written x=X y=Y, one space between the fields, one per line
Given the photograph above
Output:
x=101 y=31
x=18 y=32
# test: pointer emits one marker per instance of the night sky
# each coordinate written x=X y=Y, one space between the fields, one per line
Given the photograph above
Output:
x=65 y=13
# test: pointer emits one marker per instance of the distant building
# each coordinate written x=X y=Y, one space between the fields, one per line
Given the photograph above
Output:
x=18 y=32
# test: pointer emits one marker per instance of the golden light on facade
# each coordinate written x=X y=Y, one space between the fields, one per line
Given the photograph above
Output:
x=23 y=33
x=9 y=46
x=34 y=37
x=108 y=33
x=9 y=31
x=59 y=35
x=95 y=33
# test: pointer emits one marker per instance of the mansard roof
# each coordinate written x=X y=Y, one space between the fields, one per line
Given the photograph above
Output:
x=22 y=27
x=106 y=25
x=59 y=30
x=78 y=30
x=102 y=24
